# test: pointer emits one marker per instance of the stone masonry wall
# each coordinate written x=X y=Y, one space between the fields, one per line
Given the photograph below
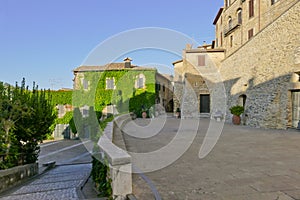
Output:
x=16 y=175
x=262 y=69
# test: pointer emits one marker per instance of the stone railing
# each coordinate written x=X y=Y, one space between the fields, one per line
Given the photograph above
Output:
x=119 y=160
x=16 y=175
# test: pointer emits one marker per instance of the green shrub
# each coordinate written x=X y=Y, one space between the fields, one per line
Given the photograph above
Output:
x=100 y=174
x=237 y=110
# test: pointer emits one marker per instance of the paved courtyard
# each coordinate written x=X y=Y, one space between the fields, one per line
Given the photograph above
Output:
x=246 y=163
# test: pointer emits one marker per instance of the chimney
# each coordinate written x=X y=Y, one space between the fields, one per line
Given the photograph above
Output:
x=127 y=62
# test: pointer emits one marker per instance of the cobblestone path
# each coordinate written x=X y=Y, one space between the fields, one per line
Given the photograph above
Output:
x=61 y=183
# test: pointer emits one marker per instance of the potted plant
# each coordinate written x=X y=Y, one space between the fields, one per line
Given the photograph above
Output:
x=178 y=113
x=144 y=114
x=236 y=111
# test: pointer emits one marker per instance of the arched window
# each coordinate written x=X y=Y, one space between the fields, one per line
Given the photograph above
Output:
x=227 y=3
x=229 y=23
x=242 y=100
x=239 y=16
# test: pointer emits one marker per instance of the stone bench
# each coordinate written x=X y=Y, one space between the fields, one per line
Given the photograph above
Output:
x=218 y=116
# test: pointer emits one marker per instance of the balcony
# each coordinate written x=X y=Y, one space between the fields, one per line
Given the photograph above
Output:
x=231 y=27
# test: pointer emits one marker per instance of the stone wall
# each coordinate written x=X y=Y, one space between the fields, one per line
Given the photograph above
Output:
x=264 y=14
x=262 y=69
x=119 y=160
x=16 y=175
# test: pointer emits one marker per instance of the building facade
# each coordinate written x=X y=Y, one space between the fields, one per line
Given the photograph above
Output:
x=257 y=59
x=118 y=88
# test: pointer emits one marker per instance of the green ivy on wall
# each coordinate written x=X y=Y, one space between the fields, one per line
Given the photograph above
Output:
x=125 y=96
x=61 y=97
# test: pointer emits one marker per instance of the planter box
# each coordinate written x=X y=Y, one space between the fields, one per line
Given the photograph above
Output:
x=16 y=175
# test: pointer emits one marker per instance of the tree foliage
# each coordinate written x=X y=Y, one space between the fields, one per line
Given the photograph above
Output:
x=25 y=120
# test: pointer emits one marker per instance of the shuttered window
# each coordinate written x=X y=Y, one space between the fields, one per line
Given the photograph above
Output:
x=251 y=8
x=250 y=33
x=201 y=60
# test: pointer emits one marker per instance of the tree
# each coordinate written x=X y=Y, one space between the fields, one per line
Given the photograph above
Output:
x=25 y=120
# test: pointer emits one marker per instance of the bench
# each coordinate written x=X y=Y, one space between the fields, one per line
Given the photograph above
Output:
x=218 y=116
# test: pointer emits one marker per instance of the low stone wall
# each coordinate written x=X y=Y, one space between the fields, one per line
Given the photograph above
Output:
x=16 y=175
x=119 y=161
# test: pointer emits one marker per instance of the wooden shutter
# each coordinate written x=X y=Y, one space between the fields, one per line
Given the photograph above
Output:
x=250 y=33
x=251 y=8
x=201 y=60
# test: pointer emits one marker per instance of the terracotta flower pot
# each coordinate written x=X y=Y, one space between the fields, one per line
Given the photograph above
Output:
x=144 y=115
x=236 y=120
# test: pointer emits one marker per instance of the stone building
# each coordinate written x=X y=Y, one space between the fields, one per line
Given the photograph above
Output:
x=256 y=62
x=164 y=89
x=195 y=79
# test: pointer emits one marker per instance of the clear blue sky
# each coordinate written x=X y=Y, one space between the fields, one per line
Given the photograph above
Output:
x=44 y=41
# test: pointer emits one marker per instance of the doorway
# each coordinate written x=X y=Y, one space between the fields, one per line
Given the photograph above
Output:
x=204 y=103
x=295 y=108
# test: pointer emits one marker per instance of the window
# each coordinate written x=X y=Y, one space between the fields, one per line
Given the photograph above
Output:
x=140 y=81
x=110 y=83
x=201 y=60
x=229 y=23
x=221 y=39
x=157 y=86
x=239 y=16
x=231 y=40
x=251 y=8
x=250 y=33
x=85 y=111
x=164 y=88
x=227 y=3
x=273 y=1
x=85 y=84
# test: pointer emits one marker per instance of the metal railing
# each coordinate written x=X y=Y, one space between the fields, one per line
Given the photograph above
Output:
x=231 y=26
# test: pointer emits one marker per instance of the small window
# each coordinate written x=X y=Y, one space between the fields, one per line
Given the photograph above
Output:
x=251 y=8
x=250 y=33
x=273 y=1
x=231 y=40
x=228 y=3
x=110 y=83
x=140 y=81
x=164 y=88
x=85 y=111
x=157 y=86
x=239 y=16
x=201 y=60
x=229 y=23
x=85 y=84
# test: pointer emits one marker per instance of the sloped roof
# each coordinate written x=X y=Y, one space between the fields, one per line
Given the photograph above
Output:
x=218 y=16
x=110 y=67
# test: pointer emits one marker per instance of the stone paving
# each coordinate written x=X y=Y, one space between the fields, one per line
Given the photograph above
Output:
x=246 y=163
x=62 y=182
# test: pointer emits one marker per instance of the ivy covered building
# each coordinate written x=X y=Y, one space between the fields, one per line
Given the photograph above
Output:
x=120 y=87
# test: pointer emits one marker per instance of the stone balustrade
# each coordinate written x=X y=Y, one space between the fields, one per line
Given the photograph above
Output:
x=16 y=175
x=119 y=160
